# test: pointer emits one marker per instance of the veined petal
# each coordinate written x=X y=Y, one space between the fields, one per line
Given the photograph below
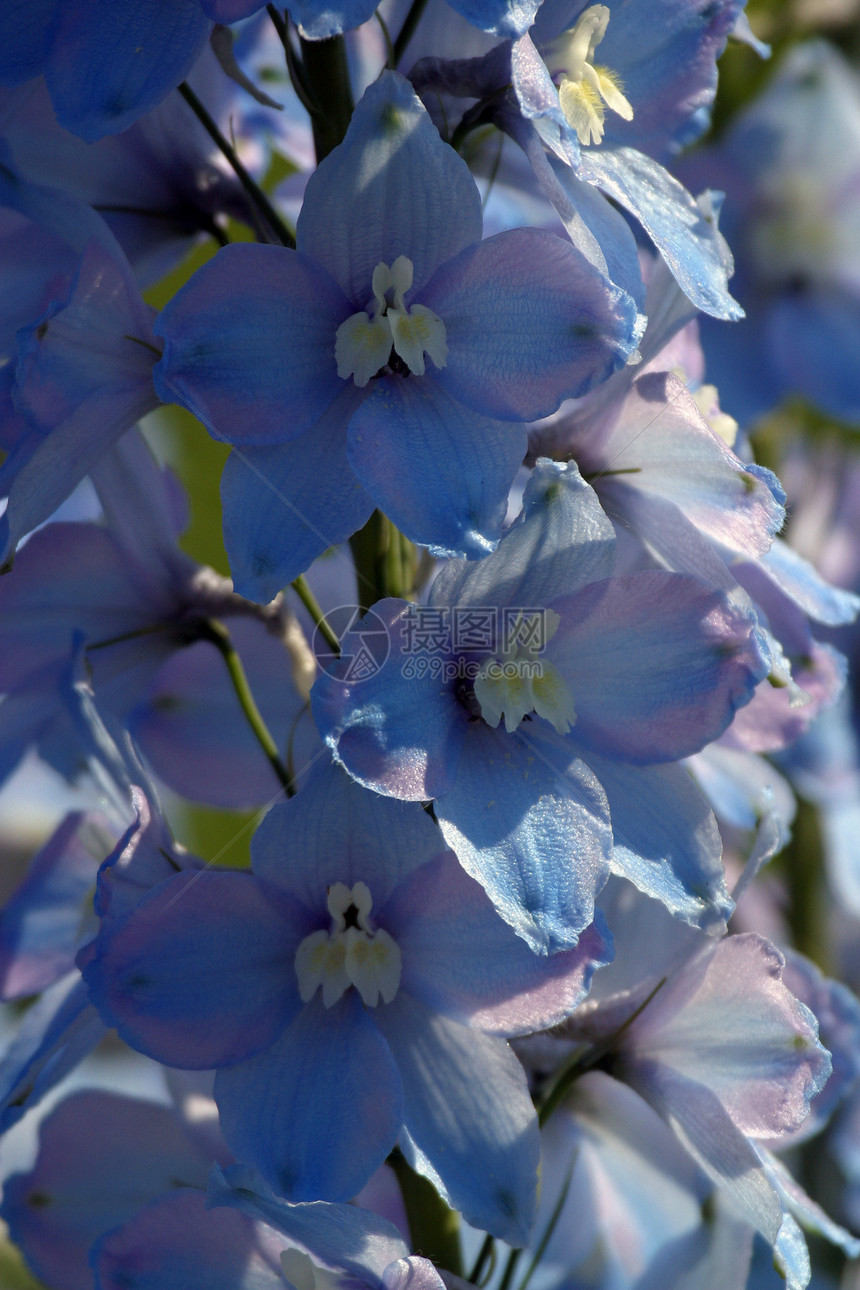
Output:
x=625 y=679
x=399 y=730
x=439 y=470
x=666 y=839
x=529 y=821
x=562 y=539
x=529 y=322
x=465 y=1099
x=109 y=61
x=286 y=503
x=319 y=1110
x=461 y=959
x=249 y=344
x=391 y=188
x=688 y=242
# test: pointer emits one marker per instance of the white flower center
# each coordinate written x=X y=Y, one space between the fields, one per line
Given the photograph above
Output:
x=523 y=683
x=364 y=342
x=351 y=953
x=794 y=233
x=583 y=87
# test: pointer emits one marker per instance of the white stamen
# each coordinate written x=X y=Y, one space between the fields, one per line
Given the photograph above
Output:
x=364 y=342
x=583 y=88
x=352 y=953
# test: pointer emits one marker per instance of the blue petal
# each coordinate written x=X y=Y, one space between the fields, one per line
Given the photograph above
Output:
x=561 y=540
x=391 y=188
x=529 y=821
x=343 y=1238
x=109 y=61
x=200 y=972
x=507 y=18
x=336 y=831
x=41 y=925
x=286 y=504
x=399 y=729
x=466 y=1100
x=688 y=242
x=529 y=322
x=23 y=28
x=666 y=840
x=249 y=344
x=55 y=1035
x=438 y=470
x=319 y=1110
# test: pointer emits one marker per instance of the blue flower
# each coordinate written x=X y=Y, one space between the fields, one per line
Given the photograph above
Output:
x=391 y=359
x=595 y=94
x=354 y=991
x=551 y=765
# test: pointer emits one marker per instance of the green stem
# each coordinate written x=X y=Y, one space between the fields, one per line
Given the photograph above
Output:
x=807 y=906
x=434 y=1228
x=484 y=1255
x=216 y=633
x=407 y=31
x=510 y=1268
x=252 y=188
x=385 y=561
x=326 y=75
x=311 y=604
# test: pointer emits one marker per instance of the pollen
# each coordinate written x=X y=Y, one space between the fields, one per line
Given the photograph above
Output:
x=583 y=87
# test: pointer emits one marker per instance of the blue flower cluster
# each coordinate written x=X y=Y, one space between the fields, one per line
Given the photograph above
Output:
x=510 y=636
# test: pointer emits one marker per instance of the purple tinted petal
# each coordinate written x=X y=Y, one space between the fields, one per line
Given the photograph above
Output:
x=100 y=1157
x=249 y=344
x=626 y=679
x=178 y=1244
x=190 y=727
x=461 y=959
x=528 y=322
x=23 y=27
x=201 y=972
x=320 y=1110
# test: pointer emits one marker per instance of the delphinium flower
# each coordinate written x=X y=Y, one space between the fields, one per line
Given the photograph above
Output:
x=391 y=359
x=549 y=746
x=597 y=96
x=354 y=991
